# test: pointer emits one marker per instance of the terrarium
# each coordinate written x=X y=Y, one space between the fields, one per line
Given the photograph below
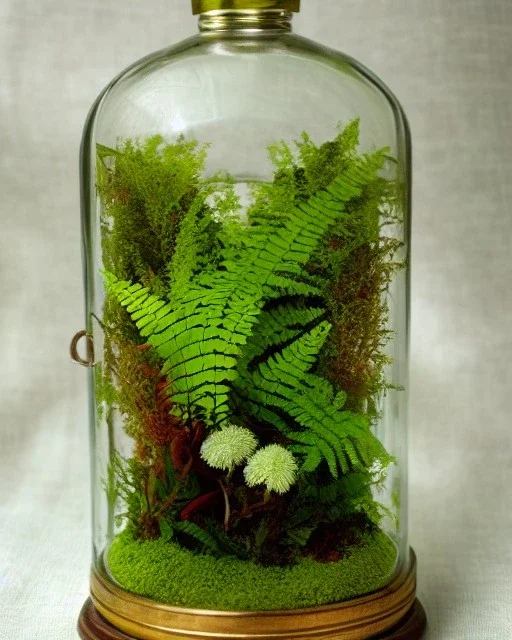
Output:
x=246 y=214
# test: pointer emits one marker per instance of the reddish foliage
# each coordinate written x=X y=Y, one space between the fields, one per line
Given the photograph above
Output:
x=330 y=541
x=142 y=451
x=161 y=426
x=143 y=347
x=180 y=451
x=183 y=442
x=185 y=448
x=200 y=503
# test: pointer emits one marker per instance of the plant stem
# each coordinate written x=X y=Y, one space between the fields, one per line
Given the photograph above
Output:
x=227 y=511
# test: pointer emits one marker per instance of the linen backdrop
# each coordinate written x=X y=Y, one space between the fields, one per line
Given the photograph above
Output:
x=450 y=63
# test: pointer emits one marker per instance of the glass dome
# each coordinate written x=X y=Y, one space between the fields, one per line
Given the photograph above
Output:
x=246 y=203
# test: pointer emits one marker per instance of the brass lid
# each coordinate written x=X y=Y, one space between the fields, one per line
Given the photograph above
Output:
x=202 y=6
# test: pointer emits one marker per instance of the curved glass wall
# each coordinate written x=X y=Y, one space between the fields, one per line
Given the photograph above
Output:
x=246 y=218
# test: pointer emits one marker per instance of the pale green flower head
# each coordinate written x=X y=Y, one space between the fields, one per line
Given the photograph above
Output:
x=229 y=447
x=273 y=466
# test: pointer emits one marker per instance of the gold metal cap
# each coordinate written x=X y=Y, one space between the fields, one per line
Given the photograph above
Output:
x=202 y=6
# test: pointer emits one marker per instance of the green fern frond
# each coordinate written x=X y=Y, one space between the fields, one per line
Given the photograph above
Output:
x=200 y=334
x=300 y=537
x=283 y=372
x=205 y=539
x=227 y=544
x=283 y=382
x=347 y=435
x=278 y=326
x=189 y=243
x=314 y=457
x=198 y=338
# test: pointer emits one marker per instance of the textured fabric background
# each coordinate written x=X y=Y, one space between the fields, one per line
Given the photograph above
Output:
x=450 y=62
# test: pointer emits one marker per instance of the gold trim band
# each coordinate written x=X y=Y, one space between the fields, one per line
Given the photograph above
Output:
x=359 y=618
x=202 y=6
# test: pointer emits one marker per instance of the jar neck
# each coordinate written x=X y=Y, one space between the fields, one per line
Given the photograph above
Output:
x=250 y=20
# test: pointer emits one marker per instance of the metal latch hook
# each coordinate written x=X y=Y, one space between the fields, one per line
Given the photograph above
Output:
x=88 y=361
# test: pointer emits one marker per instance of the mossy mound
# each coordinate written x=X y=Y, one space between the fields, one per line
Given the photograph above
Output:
x=166 y=572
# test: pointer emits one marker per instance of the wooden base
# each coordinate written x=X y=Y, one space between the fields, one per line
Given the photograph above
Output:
x=411 y=627
x=92 y=626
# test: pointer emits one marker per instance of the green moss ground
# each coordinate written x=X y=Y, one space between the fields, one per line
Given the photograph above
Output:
x=169 y=573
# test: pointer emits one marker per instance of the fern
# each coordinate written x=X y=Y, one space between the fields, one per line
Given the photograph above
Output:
x=189 y=243
x=332 y=434
x=199 y=535
x=275 y=328
x=300 y=537
x=283 y=384
x=201 y=334
x=287 y=367
x=282 y=324
x=226 y=543
x=347 y=495
x=198 y=338
x=202 y=230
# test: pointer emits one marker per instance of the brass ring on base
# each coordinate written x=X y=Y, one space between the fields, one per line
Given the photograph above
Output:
x=392 y=613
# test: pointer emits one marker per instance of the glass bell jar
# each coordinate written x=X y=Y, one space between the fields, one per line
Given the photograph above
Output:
x=246 y=218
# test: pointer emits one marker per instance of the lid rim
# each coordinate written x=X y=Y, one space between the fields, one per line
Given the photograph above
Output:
x=203 y=6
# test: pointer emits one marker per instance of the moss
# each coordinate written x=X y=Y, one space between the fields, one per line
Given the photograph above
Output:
x=169 y=573
x=146 y=191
